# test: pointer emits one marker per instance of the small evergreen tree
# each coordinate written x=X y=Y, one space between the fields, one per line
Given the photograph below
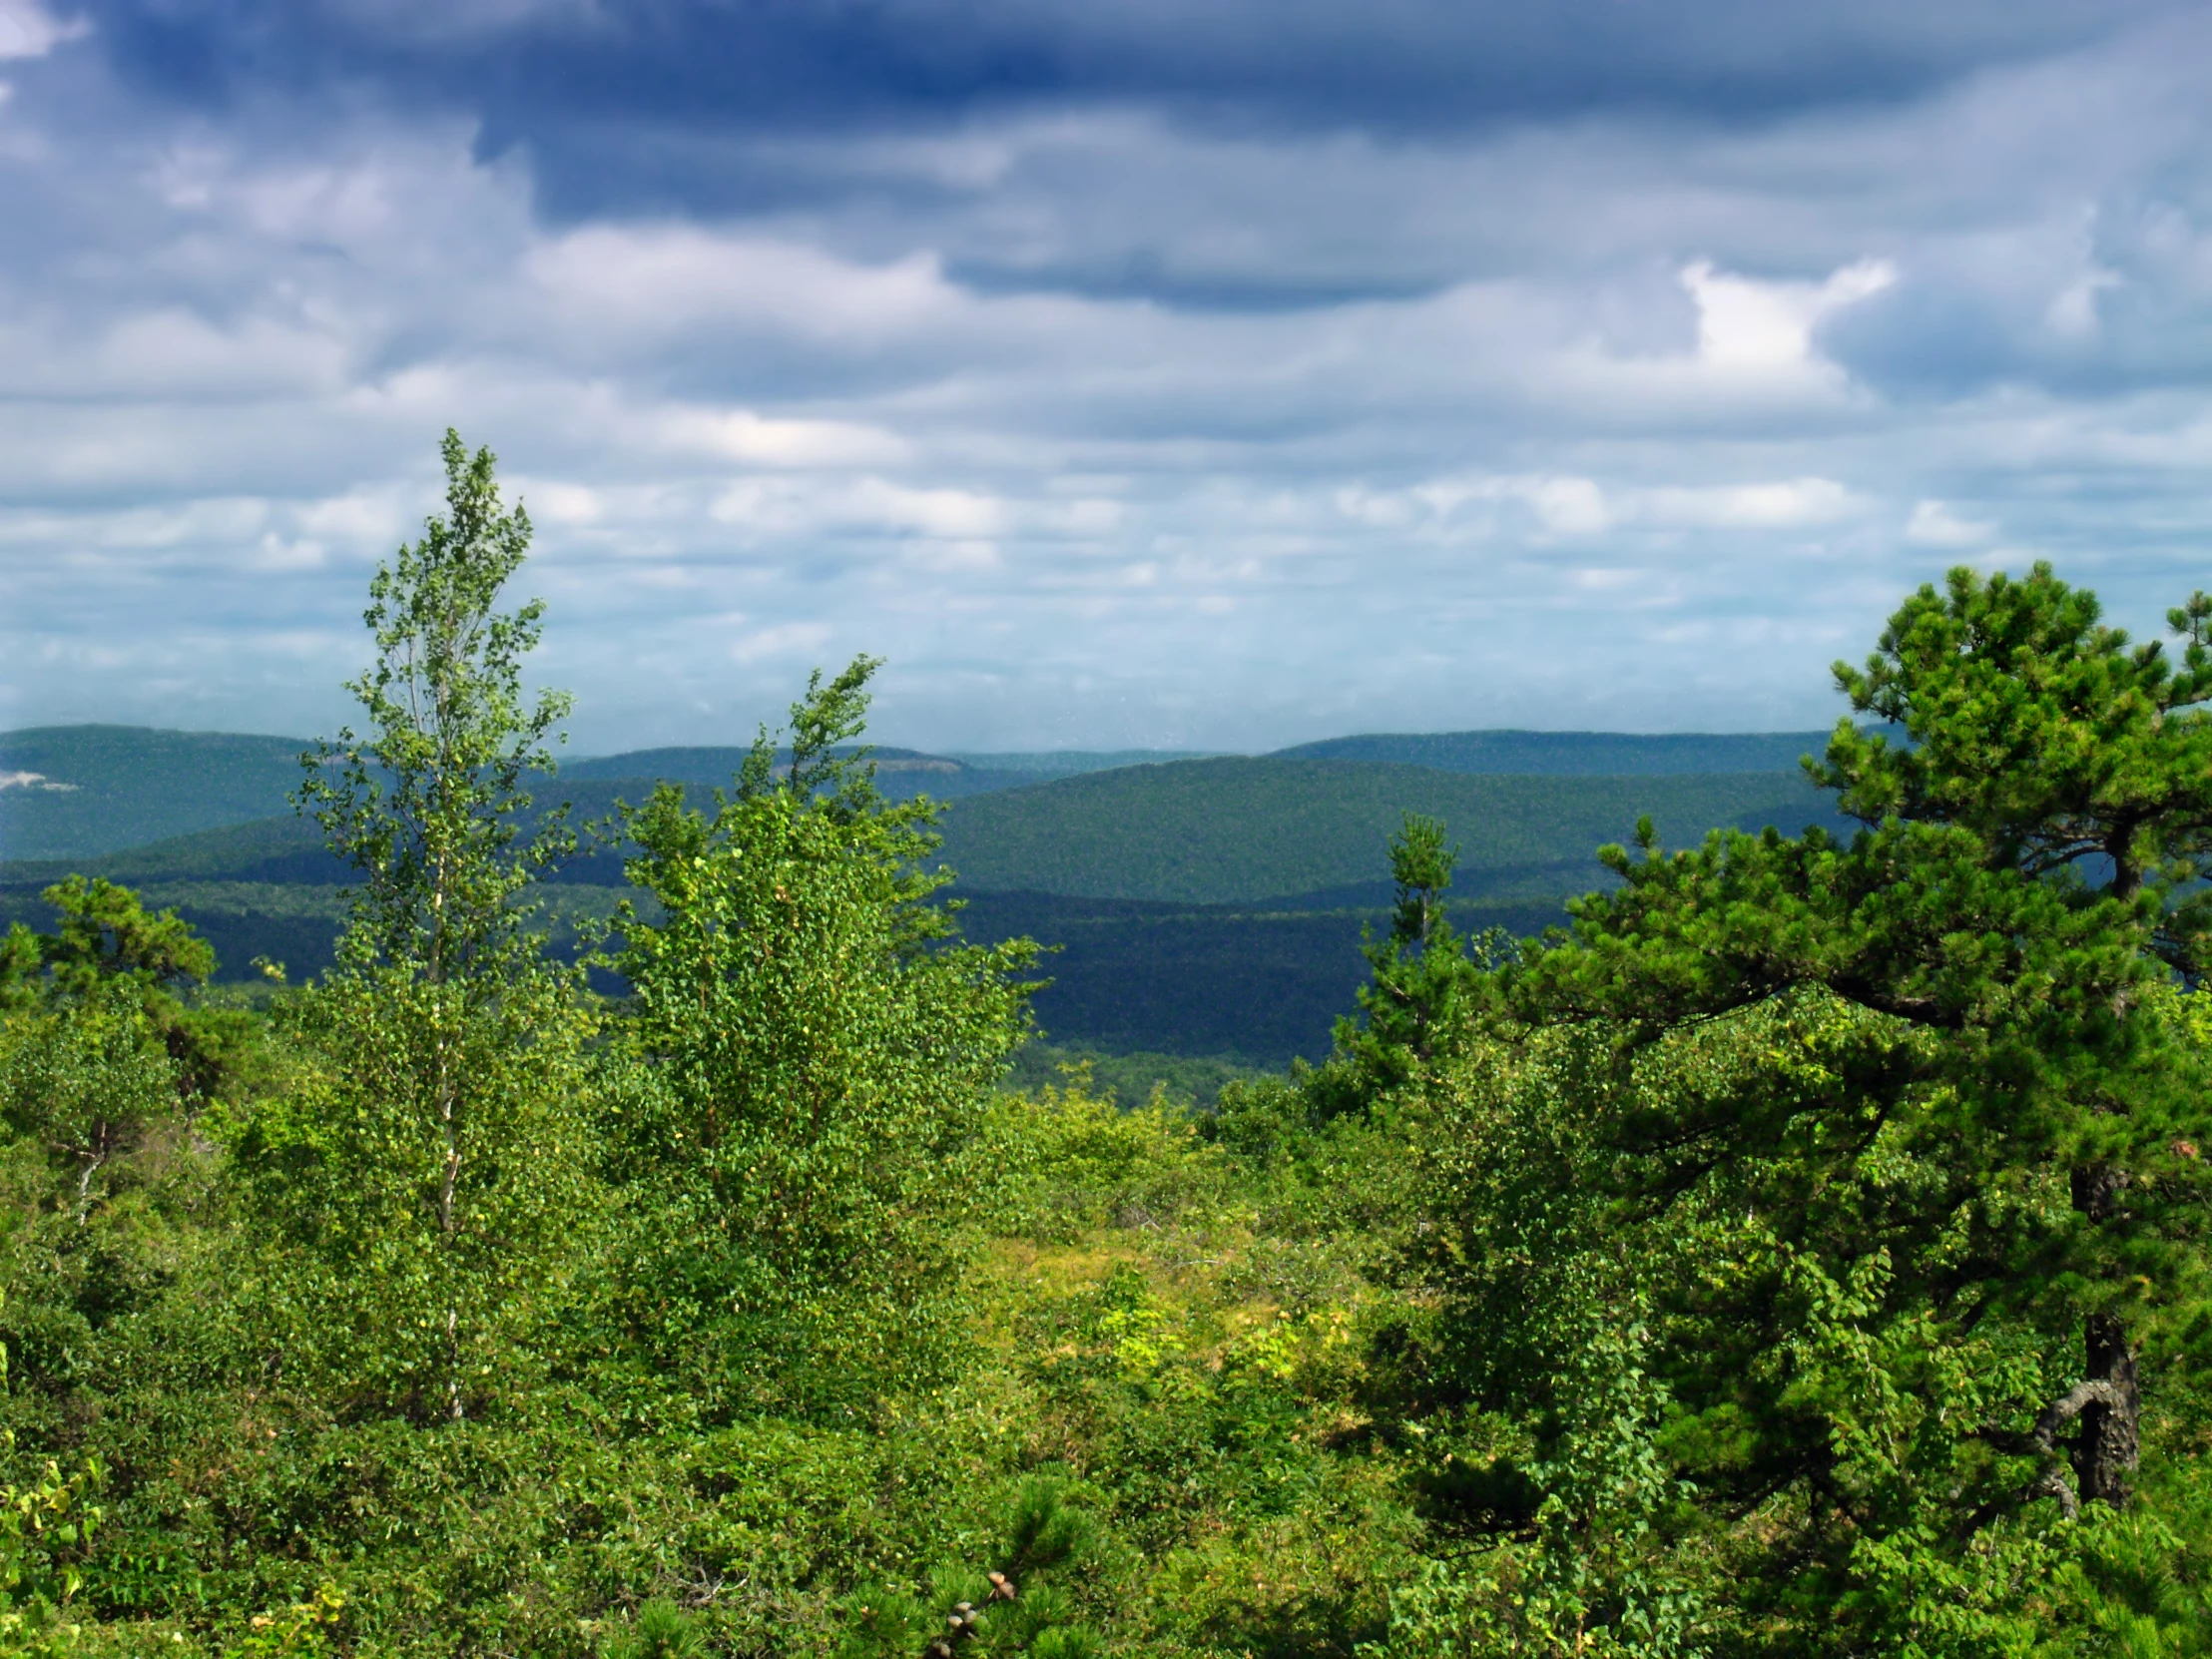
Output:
x=1416 y=1004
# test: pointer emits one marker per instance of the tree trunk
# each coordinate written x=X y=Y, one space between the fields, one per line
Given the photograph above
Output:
x=2110 y=1439
x=2105 y=1455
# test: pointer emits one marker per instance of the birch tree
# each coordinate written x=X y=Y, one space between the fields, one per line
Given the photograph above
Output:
x=432 y=1168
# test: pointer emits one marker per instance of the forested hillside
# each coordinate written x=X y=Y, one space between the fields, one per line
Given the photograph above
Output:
x=78 y=792
x=1800 y=1255
x=85 y=791
x=81 y=791
x=1199 y=907
x=1240 y=831
x=901 y=773
x=1569 y=754
x=1042 y=764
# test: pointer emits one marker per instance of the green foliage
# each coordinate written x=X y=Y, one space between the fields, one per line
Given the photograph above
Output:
x=1191 y=1081
x=45 y=1529
x=1015 y=1606
x=20 y=960
x=421 y=1185
x=1067 y=1161
x=2034 y=725
x=816 y=1056
x=1417 y=1003
x=429 y=808
x=85 y=1083
x=662 y=1630
x=303 y=1628
x=107 y=946
x=106 y=934
x=1895 y=1142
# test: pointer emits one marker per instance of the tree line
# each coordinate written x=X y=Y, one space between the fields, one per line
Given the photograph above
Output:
x=1801 y=1252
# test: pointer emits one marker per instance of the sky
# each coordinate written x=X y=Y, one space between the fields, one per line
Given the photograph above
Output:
x=1173 y=373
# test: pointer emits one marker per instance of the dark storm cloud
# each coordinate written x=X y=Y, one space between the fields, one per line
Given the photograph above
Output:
x=624 y=107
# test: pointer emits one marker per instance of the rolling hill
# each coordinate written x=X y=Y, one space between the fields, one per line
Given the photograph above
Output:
x=1202 y=906
x=900 y=773
x=1241 y=831
x=1286 y=832
x=80 y=791
x=1573 y=753
x=1038 y=766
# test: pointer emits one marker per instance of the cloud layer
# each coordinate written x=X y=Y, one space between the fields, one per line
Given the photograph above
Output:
x=1126 y=376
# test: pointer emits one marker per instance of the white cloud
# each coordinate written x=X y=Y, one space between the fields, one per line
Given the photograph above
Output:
x=1793 y=504
x=1752 y=357
x=361 y=515
x=1564 y=505
x=952 y=513
x=1570 y=506
x=2074 y=313
x=1559 y=505
x=669 y=279
x=29 y=31
x=553 y=502
x=32 y=781
x=1933 y=524
x=1764 y=328
x=781 y=643
x=754 y=439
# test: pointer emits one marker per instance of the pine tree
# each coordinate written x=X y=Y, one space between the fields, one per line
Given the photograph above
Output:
x=1903 y=1129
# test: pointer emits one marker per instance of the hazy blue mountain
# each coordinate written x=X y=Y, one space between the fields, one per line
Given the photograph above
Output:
x=77 y=791
x=1040 y=765
x=1557 y=753
x=80 y=791
x=1290 y=834
x=900 y=773
x=1202 y=908
x=1276 y=828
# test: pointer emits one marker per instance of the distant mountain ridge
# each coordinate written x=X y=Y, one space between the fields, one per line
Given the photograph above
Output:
x=1285 y=829
x=1573 y=753
x=94 y=789
x=88 y=791
x=1039 y=765
x=1285 y=833
x=899 y=772
x=1207 y=905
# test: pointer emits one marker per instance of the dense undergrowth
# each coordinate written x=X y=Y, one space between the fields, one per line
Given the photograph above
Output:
x=1225 y=1344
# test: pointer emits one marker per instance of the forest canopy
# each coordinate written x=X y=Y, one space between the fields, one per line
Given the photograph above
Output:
x=1802 y=1252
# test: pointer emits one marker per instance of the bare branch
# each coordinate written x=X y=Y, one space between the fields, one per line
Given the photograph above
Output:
x=2070 y=1404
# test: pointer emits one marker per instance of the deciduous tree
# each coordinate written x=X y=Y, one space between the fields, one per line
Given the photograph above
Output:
x=817 y=1053
x=431 y=1176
